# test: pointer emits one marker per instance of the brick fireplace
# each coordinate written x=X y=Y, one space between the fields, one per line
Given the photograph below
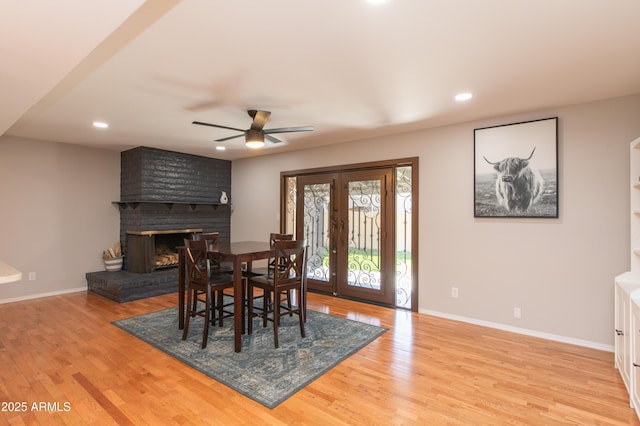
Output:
x=162 y=192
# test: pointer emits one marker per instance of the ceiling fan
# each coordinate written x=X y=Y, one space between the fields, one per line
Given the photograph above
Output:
x=256 y=134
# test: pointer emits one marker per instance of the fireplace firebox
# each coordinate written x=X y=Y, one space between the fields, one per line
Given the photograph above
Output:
x=149 y=251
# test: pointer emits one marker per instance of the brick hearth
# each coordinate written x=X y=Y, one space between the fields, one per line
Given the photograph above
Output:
x=125 y=286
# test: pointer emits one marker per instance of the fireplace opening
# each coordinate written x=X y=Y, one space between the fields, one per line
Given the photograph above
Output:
x=149 y=251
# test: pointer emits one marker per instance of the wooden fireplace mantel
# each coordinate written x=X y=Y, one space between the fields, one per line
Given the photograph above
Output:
x=168 y=204
x=172 y=231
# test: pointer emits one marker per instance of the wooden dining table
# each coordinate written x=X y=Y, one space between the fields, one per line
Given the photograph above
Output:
x=237 y=253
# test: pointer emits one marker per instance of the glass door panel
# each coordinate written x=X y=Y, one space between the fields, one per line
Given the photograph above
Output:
x=315 y=223
x=403 y=251
x=365 y=259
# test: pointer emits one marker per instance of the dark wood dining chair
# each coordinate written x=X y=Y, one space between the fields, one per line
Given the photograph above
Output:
x=289 y=274
x=213 y=244
x=204 y=284
x=271 y=264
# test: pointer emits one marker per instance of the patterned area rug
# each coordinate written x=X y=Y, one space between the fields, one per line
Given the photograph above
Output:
x=260 y=372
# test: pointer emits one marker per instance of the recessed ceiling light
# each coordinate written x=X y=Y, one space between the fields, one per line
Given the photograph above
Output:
x=463 y=96
x=100 y=125
x=221 y=148
x=378 y=1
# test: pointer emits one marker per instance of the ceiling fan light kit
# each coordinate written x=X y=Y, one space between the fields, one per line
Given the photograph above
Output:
x=255 y=135
x=254 y=138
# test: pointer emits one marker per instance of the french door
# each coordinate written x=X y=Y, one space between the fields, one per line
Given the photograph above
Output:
x=347 y=219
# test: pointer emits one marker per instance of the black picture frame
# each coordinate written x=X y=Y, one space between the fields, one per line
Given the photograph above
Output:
x=516 y=169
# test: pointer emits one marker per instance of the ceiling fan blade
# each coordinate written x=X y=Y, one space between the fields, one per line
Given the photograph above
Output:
x=289 y=129
x=272 y=139
x=229 y=137
x=259 y=119
x=217 y=125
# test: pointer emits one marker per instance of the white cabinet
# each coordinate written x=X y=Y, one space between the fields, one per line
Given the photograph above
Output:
x=627 y=293
x=634 y=364
x=625 y=285
x=621 y=343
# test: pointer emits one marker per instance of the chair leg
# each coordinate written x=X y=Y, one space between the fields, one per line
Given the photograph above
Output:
x=243 y=295
x=212 y=319
x=220 y=306
x=207 y=313
x=266 y=306
x=289 y=302
x=301 y=320
x=185 y=331
x=276 y=317
x=194 y=309
x=250 y=309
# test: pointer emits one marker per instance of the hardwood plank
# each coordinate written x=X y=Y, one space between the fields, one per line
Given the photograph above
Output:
x=424 y=370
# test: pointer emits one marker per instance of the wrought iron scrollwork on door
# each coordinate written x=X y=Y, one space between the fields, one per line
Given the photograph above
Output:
x=364 y=234
x=316 y=229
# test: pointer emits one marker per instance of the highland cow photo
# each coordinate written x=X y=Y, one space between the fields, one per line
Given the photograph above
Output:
x=516 y=169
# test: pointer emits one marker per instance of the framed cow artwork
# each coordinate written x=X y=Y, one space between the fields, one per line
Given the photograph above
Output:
x=516 y=169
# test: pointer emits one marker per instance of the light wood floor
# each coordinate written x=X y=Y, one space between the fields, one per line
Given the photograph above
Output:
x=64 y=352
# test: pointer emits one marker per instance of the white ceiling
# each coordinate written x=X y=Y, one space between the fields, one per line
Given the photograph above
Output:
x=350 y=69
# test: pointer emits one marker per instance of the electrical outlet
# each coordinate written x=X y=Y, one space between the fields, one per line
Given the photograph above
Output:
x=517 y=312
x=454 y=291
x=32 y=276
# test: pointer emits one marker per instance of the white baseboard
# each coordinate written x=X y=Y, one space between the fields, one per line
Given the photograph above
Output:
x=40 y=295
x=533 y=333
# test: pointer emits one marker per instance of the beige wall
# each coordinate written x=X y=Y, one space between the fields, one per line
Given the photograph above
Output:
x=558 y=271
x=56 y=215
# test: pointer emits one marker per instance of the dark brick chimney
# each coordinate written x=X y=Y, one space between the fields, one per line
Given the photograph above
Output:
x=164 y=190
